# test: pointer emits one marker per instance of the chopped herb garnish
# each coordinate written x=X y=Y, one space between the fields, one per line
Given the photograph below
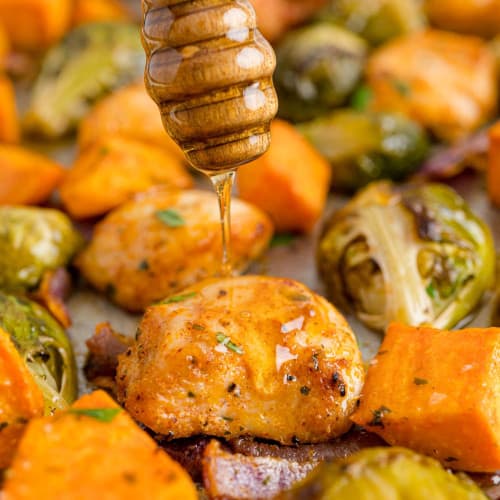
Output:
x=304 y=390
x=227 y=342
x=266 y=480
x=281 y=240
x=170 y=217
x=378 y=415
x=401 y=87
x=299 y=297
x=143 y=265
x=431 y=291
x=420 y=381
x=198 y=327
x=178 y=298
x=101 y=414
x=191 y=394
x=361 y=98
x=228 y=419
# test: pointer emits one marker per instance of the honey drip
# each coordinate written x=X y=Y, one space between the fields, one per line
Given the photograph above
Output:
x=210 y=71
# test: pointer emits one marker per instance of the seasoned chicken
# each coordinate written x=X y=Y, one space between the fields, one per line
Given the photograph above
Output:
x=253 y=355
x=445 y=81
x=163 y=241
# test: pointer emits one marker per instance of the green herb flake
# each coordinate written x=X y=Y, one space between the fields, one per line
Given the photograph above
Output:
x=178 y=298
x=378 y=416
x=420 y=381
x=226 y=341
x=227 y=419
x=281 y=240
x=401 y=87
x=431 y=291
x=266 y=480
x=362 y=98
x=143 y=265
x=198 y=327
x=170 y=217
x=304 y=390
x=102 y=414
x=299 y=297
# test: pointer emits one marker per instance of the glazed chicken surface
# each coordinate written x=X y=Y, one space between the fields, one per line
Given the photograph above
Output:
x=252 y=355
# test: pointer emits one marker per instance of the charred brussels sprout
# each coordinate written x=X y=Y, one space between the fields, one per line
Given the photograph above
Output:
x=92 y=60
x=382 y=473
x=363 y=147
x=32 y=241
x=416 y=255
x=376 y=20
x=45 y=348
x=317 y=68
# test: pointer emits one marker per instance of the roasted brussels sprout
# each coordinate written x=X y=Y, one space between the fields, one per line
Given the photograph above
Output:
x=317 y=68
x=382 y=473
x=32 y=241
x=416 y=255
x=376 y=20
x=364 y=146
x=44 y=346
x=92 y=60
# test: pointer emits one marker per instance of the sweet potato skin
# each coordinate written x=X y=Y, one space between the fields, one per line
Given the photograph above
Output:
x=443 y=400
x=421 y=76
x=20 y=398
x=79 y=457
x=130 y=113
x=35 y=24
x=477 y=17
x=494 y=164
x=109 y=172
x=9 y=121
x=26 y=178
x=87 y=11
x=290 y=182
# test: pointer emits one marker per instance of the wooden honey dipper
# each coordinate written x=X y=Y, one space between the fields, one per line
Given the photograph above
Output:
x=210 y=71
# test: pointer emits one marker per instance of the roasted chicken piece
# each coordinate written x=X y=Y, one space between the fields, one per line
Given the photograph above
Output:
x=130 y=113
x=253 y=355
x=163 y=241
x=445 y=81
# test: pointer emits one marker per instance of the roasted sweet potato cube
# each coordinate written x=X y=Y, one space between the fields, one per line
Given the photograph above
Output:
x=438 y=393
x=87 y=11
x=290 y=182
x=494 y=164
x=20 y=398
x=109 y=172
x=35 y=24
x=128 y=112
x=93 y=450
x=26 y=178
x=445 y=81
x=9 y=122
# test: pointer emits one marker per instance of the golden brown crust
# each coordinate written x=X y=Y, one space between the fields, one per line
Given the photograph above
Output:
x=290 y=370
x=138 y=259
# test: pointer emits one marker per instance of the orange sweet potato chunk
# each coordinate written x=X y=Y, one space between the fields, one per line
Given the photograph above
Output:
x=35 y=24
x=20 y=398
x=87 y=11
x=106 y=456
x=494 y=165
x=290 y=182
x=9 y=121
x=26 y=178
x=109 y=172
x=127 y=112
x=437 y=392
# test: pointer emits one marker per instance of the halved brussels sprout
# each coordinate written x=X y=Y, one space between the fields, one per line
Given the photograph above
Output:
x=45 y=348
x=376 y=20
x=317 y=69
x=91 y=61
x=364 y=146
x=383 y=473
x=416 y=255
x=32 y=241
